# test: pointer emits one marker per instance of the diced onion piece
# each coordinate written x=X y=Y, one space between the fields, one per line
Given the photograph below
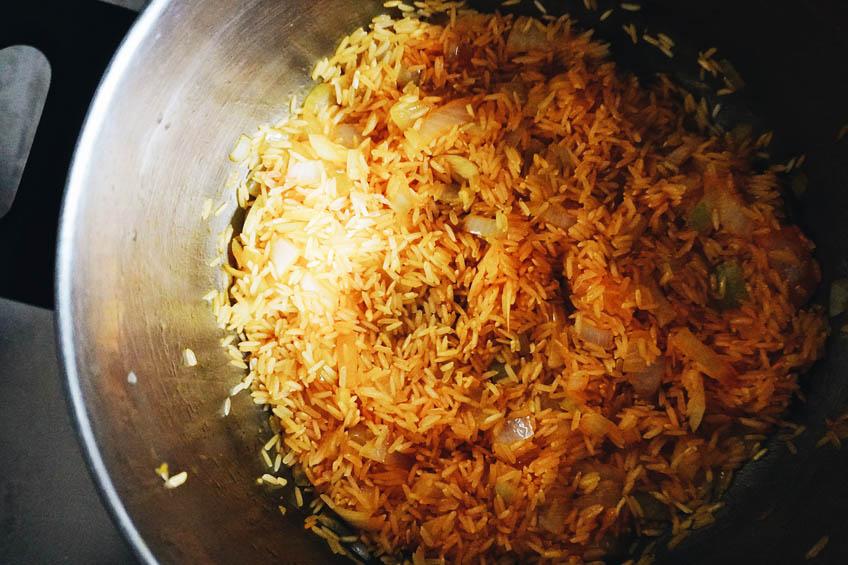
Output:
x=461 y=167
x=401 y=197
x=647 y=379
x=531 y=39
x=283 y=255
x=594 y=335
x=515 y=429
x=356 y=518
x=484 y=227
x=710 y=362
x=305 y=172
x=838 y=297
x=407 y=75
x=347 y=135
x=406 y=111
x=552 y=516
x=241 y=150
x=357 y=167
x=318 y=98
x=694 y=385
x=598 y=426
x=441 y=120
x=326 y=149
x=558 y=216
x=732 y=216
x=506 y=491
x=376 y=450
x=662 y=308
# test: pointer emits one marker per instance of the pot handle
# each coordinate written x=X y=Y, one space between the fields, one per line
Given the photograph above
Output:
x=52 y=55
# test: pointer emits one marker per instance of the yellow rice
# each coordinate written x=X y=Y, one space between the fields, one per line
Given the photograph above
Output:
x=561 y=377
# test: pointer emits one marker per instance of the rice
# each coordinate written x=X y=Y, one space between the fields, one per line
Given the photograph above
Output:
x=513 y=317
x=817 y=548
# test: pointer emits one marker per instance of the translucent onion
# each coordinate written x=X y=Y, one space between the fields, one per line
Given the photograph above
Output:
x=531 y=39
x=241 y=150
x=732 y=216
x=406 y=111
x=484 y=227
x=506 y=491
x=440 y=121
x=461 y=167
x=326 y=149
x=318 y=98
x=305 y=172
x=662 y=308
x=710 y=362
x=552 y=516
x=406 y=75
x=695 y=407
x=283 y=255
x=515 y=429
x=558 y=216
x=347 y=135
x=646 y=381
x=595 y=335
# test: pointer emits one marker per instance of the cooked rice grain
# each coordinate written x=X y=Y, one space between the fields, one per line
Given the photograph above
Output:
x=464 y=396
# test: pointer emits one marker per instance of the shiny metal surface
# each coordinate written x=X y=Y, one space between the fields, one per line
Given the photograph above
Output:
x=133 y=264
x=24 y=81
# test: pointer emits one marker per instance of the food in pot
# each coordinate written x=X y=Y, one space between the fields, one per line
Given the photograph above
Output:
x=504 y=301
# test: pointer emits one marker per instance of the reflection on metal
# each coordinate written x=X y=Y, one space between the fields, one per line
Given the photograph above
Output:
x=24 y=81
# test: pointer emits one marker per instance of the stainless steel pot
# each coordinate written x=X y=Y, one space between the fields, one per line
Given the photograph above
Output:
x=133 y=265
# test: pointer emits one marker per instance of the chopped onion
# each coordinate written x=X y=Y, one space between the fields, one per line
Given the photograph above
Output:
x=662 y=308
x=348 y=135
x=710 y=362
x=283 y=255
x=401 y=197
x=406 y=111
x=356 y=518
x=407 y=75
x=461 y=167
x=533 y=38
x=241 y=150
x=326 y=149
x=318 y=98
x=595 y=335
x=647 y=381
x=515 y=429
x=694 y=385
x=732 y=216
x=440 y=121
x=506 y=491
x=552 y=516
x=606 y=494
x=559 y=217
x=305 y=172
x=484 y=227
x=598 y=426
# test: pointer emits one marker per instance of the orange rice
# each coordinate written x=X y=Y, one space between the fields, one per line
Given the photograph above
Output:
x=504 y=302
